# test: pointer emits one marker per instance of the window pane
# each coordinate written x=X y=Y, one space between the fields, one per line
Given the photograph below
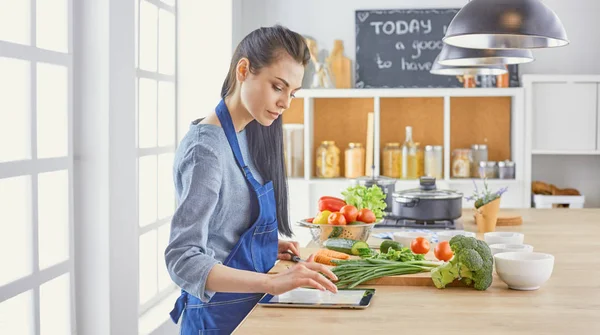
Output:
x=15 y=21
x=15 y=109
x=147 y=190
x=148 y=280
x=164 y=280
x=147 y=113
x=148 y=36
x=55 y=306
x=53 y=218
x=166 y=113
x=166 y=42
x=16 y=314
x=52 y=111
x=52 y=22
x=166 y=193
x=169 y=2
x=137 y=32
x=15 y=229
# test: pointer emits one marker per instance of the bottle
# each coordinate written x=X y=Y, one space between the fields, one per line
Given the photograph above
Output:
x=409 y=156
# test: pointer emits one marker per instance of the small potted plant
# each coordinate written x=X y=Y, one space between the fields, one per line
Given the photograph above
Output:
x=487 y=206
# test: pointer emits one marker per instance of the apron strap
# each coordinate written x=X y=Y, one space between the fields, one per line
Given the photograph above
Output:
x=227 y=125
x=179 y=307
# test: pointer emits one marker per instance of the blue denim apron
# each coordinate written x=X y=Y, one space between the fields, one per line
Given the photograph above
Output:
x=255 y=251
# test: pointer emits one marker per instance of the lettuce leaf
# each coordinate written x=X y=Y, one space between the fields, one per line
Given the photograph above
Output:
x=361 y=197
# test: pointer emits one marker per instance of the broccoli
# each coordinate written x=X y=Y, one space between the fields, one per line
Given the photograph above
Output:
x=472 y=264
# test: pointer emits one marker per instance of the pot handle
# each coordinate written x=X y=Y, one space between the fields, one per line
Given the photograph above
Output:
x=406 y=202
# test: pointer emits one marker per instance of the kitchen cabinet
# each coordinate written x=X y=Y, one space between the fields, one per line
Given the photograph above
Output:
x=565 y=116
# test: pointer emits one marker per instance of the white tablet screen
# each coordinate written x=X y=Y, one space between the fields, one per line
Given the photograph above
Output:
x=311 y=296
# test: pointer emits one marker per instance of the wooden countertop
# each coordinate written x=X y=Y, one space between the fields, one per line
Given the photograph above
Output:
x=568 y=303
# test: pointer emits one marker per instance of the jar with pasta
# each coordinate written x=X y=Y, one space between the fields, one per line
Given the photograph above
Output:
x=392 y=160
x=355 y=160
x=328 y=160
x=461 y=163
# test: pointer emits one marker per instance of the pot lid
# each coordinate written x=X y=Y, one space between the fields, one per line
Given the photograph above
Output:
x=427 y=190
x=375 y=180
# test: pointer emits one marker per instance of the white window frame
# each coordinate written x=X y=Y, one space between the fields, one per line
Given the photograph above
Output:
x=157 y=150
x=34 y=166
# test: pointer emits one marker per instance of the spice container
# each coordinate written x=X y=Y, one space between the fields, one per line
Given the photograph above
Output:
x=294 y=150
x=488 y=170
x=480 y=154
x=461 y=163
x=355 y=160
x=328 y=160
x=506 y=170
x=392 y=160
x=434 y=161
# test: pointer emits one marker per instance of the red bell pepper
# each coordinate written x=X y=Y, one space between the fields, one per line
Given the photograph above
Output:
x=331 y=204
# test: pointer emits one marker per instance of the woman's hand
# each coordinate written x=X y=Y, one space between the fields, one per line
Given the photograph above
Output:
x=284 y=246
x=303 y=274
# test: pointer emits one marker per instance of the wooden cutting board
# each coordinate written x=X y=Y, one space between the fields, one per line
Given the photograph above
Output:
x=417 y=279
x=341 y=66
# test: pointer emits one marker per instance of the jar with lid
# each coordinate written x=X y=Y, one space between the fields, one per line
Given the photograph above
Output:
x=506 y=170
x=434 y=161
x=392 y=160
x=420 y=161
x=488 y=169
x=480 y=154
x=355 y=160
x=328 y=160
x=461 y=163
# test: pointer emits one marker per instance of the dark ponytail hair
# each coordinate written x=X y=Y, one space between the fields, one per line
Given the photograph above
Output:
x=263 y=47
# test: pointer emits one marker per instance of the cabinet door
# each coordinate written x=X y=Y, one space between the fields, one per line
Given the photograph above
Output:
x=565 y=116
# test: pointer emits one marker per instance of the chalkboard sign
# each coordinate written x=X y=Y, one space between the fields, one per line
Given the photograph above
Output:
x=396 y=48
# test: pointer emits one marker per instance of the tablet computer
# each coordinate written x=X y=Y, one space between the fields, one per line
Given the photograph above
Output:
x=312 y=298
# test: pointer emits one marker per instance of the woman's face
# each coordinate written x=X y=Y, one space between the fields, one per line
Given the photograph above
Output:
x=269 y=92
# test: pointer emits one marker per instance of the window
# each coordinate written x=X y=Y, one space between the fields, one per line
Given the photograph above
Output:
x=156 y=107
x=36 y=168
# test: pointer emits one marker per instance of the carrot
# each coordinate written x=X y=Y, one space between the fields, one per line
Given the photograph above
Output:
x=320 y=258
x=334 y=254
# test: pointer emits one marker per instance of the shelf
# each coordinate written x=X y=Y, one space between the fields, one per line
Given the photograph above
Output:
x=566 y=152
x=408 y=92
x=480 y=182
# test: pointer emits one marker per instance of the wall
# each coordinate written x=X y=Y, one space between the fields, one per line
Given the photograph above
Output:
x=334 y=19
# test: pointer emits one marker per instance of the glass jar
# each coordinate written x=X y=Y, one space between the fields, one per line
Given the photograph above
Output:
x=293 y=145
x=328 y=160
x=392 y=160
x=420 y=161
x=506 y=170
x=488 y=170
x=434 y=161
x=461 y=163
x=480 y=154
x=355 y=160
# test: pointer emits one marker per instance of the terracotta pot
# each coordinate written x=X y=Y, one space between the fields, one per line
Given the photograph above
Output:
x=487 y=215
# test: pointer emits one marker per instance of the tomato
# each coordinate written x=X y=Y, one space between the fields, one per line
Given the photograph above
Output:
x=366 y=215
x=443 y=252
x=331 y=204
x=350 y=213
x=336 y=218
x=310 y=220
x=420 y=245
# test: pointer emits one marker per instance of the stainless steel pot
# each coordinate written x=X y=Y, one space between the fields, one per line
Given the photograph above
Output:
x=427 y=203
x=388 y=185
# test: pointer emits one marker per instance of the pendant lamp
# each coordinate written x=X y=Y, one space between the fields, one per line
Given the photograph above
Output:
x=506 y=24
x=455 y=56
x=472 y=70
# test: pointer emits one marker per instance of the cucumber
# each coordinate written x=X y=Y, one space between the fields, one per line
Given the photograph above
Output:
x=347 y=246
x=388 y=244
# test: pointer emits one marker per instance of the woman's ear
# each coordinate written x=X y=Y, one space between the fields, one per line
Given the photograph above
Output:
x=242 y=69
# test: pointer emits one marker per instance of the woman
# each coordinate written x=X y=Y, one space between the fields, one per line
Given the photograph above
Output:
x=231 y=186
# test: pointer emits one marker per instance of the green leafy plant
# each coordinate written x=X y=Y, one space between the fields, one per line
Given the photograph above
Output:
x=485 y=196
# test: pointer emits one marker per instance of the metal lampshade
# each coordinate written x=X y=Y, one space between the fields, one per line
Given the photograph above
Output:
x=455 y=56
x=506 y=24
x=472 y=70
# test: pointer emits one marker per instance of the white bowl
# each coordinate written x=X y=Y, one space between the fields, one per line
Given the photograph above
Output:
x=449 y=234
x=503 y=237
x=524 y=270
x=498 y=248
x=406 y=237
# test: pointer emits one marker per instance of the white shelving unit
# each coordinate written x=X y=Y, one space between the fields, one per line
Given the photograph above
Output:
x=310 y=188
